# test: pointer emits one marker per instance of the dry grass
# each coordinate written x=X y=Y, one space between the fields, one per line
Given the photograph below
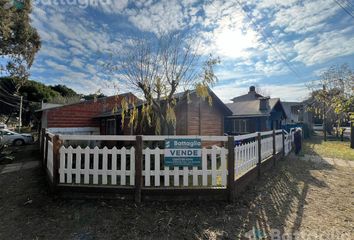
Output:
x=331 y=148
x=296 y=197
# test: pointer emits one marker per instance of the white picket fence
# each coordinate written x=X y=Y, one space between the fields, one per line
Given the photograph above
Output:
x=97 y=166
x=116 y=167
x=246 y=157
x=213 y=171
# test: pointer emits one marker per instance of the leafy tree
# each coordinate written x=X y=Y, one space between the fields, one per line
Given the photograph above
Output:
x=63 y=90
x=333 y=95
x=19 y=41
x=159 y=69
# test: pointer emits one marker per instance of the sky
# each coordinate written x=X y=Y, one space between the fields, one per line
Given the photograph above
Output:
x=277 y=45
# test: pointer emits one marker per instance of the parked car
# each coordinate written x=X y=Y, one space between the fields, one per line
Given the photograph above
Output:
x=3 y=126
x=318 y=127
x=14 y=138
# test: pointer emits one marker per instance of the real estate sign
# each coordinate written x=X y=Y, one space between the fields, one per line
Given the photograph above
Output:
x=183 y=152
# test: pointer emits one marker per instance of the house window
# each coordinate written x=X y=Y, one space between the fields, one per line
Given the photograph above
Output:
x=241 y=126
x=111 y=127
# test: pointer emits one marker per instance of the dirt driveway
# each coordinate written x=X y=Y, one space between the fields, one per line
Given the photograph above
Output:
x=305 y=199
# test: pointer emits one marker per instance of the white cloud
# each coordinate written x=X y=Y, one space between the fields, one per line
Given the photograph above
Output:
x=325 y=46
x=57 y=67
x=286 y=92
x=161 y=17
x=306 y=17
x=77 y=63
x=112 y=6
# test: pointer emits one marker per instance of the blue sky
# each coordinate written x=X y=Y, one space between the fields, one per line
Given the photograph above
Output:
x=287 y=44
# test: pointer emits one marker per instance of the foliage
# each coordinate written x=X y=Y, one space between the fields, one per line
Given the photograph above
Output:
x=19 y=41
x=63 y=90
x=159 y=69
x=333 y=95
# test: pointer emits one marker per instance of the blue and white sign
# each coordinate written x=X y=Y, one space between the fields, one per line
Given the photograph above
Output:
x=183 y=152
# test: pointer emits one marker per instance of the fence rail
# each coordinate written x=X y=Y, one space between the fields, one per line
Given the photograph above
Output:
x=140 y=165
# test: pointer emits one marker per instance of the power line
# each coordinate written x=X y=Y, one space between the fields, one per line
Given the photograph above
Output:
x=343 y=7
x=261 y=31
x=12 y=105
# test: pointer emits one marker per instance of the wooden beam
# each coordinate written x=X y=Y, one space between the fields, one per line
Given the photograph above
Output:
x=231 y=168
x=56 y=159
x=259 y=139
x=138 y=167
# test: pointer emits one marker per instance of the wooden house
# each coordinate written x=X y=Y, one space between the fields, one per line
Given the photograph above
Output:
x=194 y=117
x=253 y=112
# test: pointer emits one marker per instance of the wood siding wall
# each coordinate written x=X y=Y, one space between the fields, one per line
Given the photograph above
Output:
x=199 y=118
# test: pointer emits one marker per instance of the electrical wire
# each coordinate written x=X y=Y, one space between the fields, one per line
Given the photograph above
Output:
x=261 y=31
x=344 y=8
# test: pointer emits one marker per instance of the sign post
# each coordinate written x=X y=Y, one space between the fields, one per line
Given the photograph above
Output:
x=183 y=152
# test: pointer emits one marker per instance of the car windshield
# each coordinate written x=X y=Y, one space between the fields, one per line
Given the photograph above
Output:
x=8 y=132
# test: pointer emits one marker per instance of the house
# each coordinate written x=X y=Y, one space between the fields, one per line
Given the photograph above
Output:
x=253 y=112
x=79 y=118
x=194 y=117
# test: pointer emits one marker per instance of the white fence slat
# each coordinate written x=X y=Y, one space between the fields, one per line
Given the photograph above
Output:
x=104 y=165
x=223 y=166
x=204 y=167
x=87 y=166
x=157 y=167
x=78 y=151
x=147 y=166
x=114 y=152
x=195 y=176
x=123 y=164
x=237 y=162
x=176 y=176
x=69 y=165
x=95 y=165
x=185 y=176
x=132 y=166
x=213 y=165
x=167 y=176
x=62 y=152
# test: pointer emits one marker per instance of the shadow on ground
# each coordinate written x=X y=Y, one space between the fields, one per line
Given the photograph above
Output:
x=278 y=201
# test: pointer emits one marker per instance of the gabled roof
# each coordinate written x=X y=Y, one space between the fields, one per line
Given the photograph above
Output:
x=252 y=108
x=180 y=96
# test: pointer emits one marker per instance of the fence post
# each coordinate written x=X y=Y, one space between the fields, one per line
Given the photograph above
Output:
x=231 y=168
x=274 y=146
x=259 y=138
x=138 y=167
x=46 y=150
x=41 y=147
x=283 y=139
x=56 y=159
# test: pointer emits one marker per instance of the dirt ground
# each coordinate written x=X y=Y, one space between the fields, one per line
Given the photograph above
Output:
x=305 y=199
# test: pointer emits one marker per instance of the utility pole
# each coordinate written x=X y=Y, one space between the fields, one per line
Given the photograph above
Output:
x=20 y=117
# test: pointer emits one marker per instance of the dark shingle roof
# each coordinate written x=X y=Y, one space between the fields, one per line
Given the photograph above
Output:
x=251 y=108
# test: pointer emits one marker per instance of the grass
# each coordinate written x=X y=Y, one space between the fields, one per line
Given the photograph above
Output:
x=332 y=148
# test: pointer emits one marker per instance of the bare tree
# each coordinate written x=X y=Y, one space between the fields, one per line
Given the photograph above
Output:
x=159 y=69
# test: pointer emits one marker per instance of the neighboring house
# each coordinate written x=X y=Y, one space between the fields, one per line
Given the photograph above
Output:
x=293 y=112
x=252 y=112
x=79 y=118
x=194 y=118
x=297 y=112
